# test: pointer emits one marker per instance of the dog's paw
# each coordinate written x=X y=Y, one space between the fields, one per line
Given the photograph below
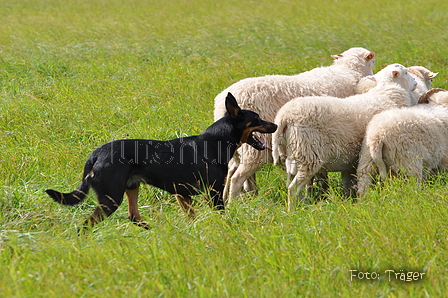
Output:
x=143 y=224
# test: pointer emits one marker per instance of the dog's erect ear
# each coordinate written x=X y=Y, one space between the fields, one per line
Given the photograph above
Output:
x=232 y=106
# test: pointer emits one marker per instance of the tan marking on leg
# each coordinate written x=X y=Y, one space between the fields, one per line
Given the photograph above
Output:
x=112 y=200
x=186 y=205
x=96 y=217
x=77 y=197
x=133 y=213
x=78 y=190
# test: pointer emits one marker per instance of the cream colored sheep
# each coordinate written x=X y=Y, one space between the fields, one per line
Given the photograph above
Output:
x=422 y=75
x=265 y=95
x=408 y=139
x=325 y=133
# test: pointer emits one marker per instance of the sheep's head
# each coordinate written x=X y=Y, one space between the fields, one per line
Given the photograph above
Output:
x=396 y=73
x=356 y=52
x=357 y=58
x=437 y=95
x=423 y=74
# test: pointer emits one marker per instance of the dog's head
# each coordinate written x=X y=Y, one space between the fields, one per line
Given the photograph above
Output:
x=248 y=122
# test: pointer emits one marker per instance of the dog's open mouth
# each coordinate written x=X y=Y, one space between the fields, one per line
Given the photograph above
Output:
x=257 y=142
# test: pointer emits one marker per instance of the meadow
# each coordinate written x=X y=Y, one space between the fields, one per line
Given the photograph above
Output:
x=77 y=74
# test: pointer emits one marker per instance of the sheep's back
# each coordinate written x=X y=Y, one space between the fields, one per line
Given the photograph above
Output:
x=325 y=126
x=407 y=135
x=265 y=95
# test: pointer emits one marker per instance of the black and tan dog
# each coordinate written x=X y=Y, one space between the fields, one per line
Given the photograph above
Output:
x=184 y=167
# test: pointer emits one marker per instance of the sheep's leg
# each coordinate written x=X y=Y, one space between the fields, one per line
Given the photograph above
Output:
x=364 y=180
x=321 y=180
x=292 y=194
x=382 y=169
x=242 y=173
x=251 y=161
x=415 y=169
x=291 y=170
x=261 y=157
x=288 y=179
x=365 y=171
x=250 y=185
x=309 y=188
x=348 y=181
x=443 y=163
x=233 y=166
x=295 y=188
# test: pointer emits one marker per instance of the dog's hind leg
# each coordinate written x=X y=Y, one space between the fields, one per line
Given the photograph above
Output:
x=185 y=203
x=96 y=217
x=109 y=197
x=133 y=213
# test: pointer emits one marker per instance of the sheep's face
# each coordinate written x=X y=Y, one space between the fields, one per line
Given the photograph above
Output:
x=423 y=74
x=405 y=79
x=429 y=76
x=399 y=74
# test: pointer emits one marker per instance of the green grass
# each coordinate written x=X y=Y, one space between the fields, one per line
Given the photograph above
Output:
x=76 y=74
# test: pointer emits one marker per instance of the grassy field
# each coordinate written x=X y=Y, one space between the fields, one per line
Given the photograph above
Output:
x=76 y=74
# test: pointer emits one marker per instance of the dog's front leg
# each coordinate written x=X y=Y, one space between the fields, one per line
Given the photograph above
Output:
x=133 y=213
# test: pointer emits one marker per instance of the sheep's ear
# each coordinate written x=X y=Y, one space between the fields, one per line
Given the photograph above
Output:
x=395 y=73
x=432 y=75
x=232 y=106
x=370 y=56
x=337 y=56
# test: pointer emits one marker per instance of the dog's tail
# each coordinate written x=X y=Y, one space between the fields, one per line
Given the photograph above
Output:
x=79 y=194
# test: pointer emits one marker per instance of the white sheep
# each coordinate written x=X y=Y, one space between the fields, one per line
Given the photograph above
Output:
x=266 y=95
x=422 y=75
x=408 y=139
x=325 y=133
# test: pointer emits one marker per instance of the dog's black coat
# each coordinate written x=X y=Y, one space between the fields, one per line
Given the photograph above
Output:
x=184 y=167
